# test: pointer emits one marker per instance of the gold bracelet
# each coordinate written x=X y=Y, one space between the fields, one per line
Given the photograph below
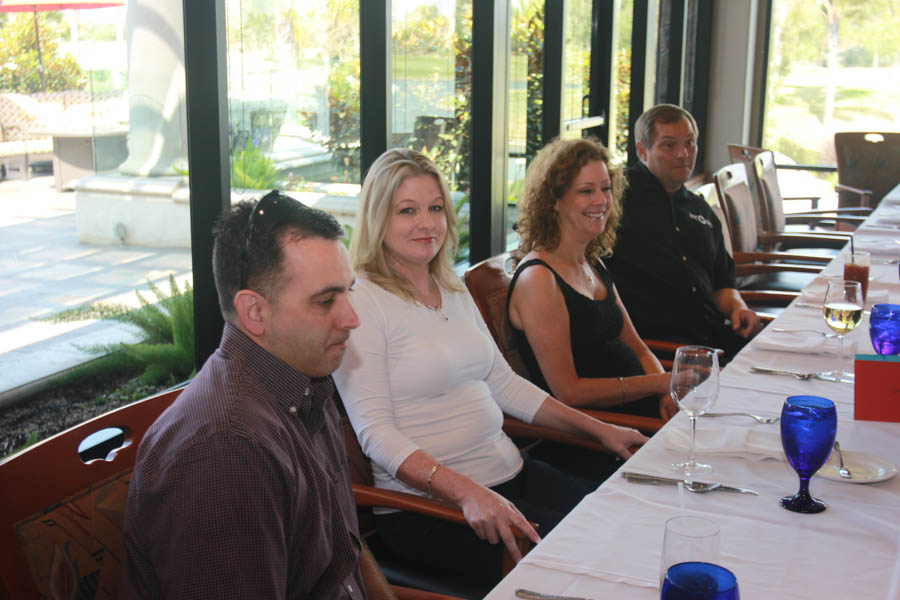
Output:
x=434 y=470
x=622 y=394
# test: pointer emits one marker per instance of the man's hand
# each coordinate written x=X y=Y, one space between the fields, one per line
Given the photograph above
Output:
x=745 y=322
x=492 y=517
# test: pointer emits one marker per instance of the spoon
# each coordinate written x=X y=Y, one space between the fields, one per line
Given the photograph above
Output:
x=842 y=470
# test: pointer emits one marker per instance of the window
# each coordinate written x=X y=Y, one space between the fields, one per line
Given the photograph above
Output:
x=831 y=68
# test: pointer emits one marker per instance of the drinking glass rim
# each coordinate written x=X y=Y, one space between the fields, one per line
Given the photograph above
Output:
x=809 y=401
x=715 y=529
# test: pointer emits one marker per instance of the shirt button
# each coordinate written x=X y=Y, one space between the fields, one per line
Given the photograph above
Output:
x=306 y=392
x=694 y=289
x=684 y=259
x=349 y=588
x=293 y=410
x=677 y=229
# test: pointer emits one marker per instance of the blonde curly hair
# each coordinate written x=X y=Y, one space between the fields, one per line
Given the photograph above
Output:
x=549 y=175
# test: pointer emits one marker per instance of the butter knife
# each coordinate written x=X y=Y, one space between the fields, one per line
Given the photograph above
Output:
x=530 y=595
x=655 y=479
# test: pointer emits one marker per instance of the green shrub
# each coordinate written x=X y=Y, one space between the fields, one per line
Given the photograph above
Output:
x=251 y=169
x=21 y=65
x=167 y=326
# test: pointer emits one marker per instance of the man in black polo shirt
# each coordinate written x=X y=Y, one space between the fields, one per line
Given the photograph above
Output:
x=670 y=265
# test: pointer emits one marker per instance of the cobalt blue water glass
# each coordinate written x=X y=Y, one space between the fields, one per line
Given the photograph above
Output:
x=884 y=328
x=808 y=427
x=699 y=581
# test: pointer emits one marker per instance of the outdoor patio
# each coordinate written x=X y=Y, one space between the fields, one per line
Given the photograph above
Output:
x=44 y=269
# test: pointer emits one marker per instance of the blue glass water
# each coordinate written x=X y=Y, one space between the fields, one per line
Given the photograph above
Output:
x=699 y=581
x=808 y=428
x=884 y=328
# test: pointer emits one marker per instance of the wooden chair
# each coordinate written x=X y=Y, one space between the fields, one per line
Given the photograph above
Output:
x=772 y=221
x=61 y=514
x=867 y=166
x=398 y=572
x=61 y=518
x=488 y=283
x=757 y=270
x=775 y=221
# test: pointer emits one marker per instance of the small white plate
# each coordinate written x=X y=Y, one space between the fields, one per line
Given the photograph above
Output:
x=865 y=468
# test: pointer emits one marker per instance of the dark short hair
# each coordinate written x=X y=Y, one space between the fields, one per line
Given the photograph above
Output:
x=645 y=130
x=263 y=252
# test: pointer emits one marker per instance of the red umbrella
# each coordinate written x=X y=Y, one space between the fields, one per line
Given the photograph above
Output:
x=33 y=6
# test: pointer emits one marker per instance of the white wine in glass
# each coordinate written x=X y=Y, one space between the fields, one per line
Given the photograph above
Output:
x=843 y=308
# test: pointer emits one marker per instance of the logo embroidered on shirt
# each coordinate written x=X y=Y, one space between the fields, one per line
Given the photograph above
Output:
x=701 y=219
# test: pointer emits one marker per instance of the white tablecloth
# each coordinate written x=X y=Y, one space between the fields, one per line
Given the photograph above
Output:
x=609 y=546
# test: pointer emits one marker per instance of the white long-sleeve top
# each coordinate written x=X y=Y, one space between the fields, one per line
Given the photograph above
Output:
x=415 y=378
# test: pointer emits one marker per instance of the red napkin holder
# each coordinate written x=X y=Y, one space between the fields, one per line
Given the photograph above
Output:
x=876 y=393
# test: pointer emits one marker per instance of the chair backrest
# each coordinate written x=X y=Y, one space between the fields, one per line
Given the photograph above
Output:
x=738 y=207
x=739 y=154
x=488 y=283
x=867 y=160
x=709 y=193
x=61 y=518
x=769 y=192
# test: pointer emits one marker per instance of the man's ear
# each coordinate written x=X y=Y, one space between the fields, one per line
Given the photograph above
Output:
x=252 y=312
x=641 y=151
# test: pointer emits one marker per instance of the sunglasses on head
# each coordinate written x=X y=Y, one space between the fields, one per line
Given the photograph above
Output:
x=271 y=210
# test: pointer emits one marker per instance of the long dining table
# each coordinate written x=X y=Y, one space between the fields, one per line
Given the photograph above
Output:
x=609 y=546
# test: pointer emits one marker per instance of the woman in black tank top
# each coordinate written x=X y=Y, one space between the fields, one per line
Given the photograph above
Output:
x=573 y=333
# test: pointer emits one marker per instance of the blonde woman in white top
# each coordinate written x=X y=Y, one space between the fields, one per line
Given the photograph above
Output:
x=425 y=386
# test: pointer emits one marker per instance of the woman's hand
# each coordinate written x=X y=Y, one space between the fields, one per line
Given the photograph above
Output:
x=493 y=517
x=620 y=439
x=667 y=406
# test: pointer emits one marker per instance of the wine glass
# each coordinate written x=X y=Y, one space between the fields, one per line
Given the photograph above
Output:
x=808 y=427
x=843 y=308
x=884 y=328
x=694 y=385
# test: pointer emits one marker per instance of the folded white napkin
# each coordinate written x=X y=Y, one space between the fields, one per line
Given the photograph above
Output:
x=752 y=443
x=801 y=343
x=884 y=246
x=891 y=219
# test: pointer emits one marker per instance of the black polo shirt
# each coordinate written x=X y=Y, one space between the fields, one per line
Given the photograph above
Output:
x=669 y=260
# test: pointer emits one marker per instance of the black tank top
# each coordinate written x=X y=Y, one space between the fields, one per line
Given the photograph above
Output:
x=594 y=330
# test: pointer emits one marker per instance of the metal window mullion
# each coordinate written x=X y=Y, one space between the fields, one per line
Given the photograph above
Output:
x=206 y=99
x=490 y=76
x=554 y=52
x=669 y=52
x=602 y=60
x=375 y=80
x=639 y=25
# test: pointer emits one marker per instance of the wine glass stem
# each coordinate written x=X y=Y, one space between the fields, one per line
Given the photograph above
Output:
x=804 y=486
x=692 y=459
x=840 y=346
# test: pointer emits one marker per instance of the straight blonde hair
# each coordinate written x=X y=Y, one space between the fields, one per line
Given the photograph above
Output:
x=376 y=199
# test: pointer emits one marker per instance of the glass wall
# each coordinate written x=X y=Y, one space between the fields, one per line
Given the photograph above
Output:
x=621 y=82
x=833 y=66
x=91 y=109
x=431 y=91
x=525 y=99
x=576 y=60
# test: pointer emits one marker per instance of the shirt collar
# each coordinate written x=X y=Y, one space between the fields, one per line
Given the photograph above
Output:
x=291 y=391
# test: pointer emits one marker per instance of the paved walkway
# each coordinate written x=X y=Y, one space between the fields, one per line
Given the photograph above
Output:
x=44 y=269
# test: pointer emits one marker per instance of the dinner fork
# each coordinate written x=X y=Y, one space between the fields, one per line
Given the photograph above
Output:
x=759 y=419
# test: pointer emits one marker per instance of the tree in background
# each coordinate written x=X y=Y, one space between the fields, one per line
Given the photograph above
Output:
x=21 y=65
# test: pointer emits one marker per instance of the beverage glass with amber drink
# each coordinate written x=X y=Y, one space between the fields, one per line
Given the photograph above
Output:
x=856 y=268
